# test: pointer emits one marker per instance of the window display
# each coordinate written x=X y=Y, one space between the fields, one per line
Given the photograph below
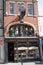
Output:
x=23 y=51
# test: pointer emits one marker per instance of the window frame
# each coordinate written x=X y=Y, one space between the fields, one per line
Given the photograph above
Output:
x=9 y=7
x=27 y=9
x=18 y=7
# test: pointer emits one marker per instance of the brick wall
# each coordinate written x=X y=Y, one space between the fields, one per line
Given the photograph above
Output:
x=32 y=20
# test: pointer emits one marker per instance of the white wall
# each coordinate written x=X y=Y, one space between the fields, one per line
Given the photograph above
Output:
x=40 y=25
x=40 y=5
x=40 y=19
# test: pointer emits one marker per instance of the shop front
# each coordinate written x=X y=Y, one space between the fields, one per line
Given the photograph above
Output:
x=21 y=44
x=22 y=49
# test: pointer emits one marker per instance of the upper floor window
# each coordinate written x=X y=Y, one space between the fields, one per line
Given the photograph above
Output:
x=11 y=8
x=30 y=9
x=20 y=7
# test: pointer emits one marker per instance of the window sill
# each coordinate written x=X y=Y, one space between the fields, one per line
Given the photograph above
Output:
x=18 y=14
x=30 y=15
x=11 y=15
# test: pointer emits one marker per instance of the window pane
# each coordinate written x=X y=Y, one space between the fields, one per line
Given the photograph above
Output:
x=30 y=9
x=21 y=30
x=25 y=51
x=20 y=7
x=17 y=30
x=11 y=8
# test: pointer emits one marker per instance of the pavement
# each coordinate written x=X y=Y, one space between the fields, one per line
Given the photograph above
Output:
x=28 y=63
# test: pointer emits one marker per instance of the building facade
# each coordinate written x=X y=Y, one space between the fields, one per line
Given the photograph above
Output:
x=21 y=36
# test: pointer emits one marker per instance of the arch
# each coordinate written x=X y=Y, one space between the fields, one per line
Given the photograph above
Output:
x=29 y=24
x=21 y=30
